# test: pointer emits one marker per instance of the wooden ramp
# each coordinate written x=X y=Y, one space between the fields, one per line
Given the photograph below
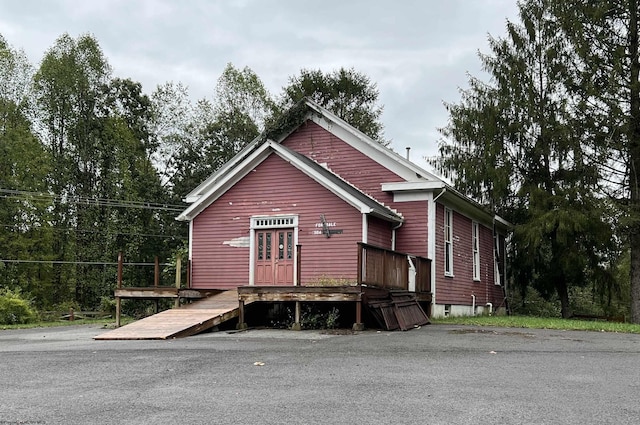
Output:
x=189 y=319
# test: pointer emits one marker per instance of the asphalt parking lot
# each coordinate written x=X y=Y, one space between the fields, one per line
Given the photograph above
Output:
x=437 y=374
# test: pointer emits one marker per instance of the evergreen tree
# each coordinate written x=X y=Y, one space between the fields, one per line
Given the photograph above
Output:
x=605 y=83
x=513 y=143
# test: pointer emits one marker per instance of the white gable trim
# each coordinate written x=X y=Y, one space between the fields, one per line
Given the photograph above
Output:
x=339 y=128
x=225 y=182
x=374 y=150
x=218 y=186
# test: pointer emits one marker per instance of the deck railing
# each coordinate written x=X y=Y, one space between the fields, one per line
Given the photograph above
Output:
x=423 y=273
x=389 y=269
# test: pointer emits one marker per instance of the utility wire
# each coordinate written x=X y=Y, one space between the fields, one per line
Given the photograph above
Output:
x=70 y=229
x=91 y=263
x=84 y=200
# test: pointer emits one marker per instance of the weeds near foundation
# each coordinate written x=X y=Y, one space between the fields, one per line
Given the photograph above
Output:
x=311 y=317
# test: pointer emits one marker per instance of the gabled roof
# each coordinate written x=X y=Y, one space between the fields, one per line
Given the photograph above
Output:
x=415 y=177
x=341 y=129
x=329 y=180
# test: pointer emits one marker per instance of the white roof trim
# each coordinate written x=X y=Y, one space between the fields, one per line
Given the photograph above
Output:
x=224 y=181
x=219 y=186
x=341 y=129
x=417 y=178
x=412 y=186
x=360 y=141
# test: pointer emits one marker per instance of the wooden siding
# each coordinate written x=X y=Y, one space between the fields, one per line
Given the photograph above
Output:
x=220 y=248
x=379 y=232
x=366 y=174
x=459 y=288
x=352 y=165
x=411 y=237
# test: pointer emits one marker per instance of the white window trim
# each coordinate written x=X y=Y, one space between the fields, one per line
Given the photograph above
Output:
x=448 y=242
x=272 y=222
x=496 y=253
x=475 y=246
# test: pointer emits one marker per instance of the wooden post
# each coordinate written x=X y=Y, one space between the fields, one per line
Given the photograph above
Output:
x=156 y=272
x=358 y=325
x=178 y=277
x=360 y=268
x=117 y=312
x=241 y=321
x=119 y=284
x=188 y=273
x=297 y=326
x=298 y=264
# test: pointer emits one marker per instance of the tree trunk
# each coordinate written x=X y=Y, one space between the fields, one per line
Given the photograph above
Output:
x=563 y=294
x=634 y=160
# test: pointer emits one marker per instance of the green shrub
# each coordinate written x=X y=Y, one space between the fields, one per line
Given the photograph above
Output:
x=14 y=309
x=313 y=317
x=533 y=304
x=108 y=305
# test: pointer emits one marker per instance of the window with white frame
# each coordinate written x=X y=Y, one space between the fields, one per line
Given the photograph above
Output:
x=448 y=242
x=475 y=240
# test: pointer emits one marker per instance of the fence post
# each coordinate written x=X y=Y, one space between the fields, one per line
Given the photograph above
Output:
x=119 y=285
x=119 y=270
x=156 y=272
x=178 y=277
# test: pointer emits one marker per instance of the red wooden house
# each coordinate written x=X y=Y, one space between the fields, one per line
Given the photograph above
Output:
x=291 y=210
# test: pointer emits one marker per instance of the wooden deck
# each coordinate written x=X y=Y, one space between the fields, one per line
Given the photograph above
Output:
x=189 y=319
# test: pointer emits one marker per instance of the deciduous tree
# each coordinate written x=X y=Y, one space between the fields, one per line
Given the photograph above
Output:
x=349 y=94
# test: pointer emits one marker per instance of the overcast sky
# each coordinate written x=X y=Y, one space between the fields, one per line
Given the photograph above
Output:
x=418 y=52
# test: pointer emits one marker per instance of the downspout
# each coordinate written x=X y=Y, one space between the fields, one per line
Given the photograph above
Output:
x=490 y=305
x=473 y=305
x=393 y=235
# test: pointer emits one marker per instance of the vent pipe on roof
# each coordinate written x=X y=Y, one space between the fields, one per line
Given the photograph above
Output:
x=408 y=149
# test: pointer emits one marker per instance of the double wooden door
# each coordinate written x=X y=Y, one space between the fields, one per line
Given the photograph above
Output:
x=274 y=257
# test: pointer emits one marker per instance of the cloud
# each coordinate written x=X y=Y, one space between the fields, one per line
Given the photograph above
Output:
x=418 y=52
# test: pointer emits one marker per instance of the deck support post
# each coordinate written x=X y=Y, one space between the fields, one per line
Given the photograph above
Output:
x=297 y=326
x=358 y=325
x=241 y=322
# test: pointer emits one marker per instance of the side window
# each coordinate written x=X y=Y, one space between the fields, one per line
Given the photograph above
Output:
x=475 y=237
x=448 y=242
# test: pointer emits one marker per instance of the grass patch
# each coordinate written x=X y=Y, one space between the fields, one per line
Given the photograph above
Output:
x=106 y=323
x=528 y=322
